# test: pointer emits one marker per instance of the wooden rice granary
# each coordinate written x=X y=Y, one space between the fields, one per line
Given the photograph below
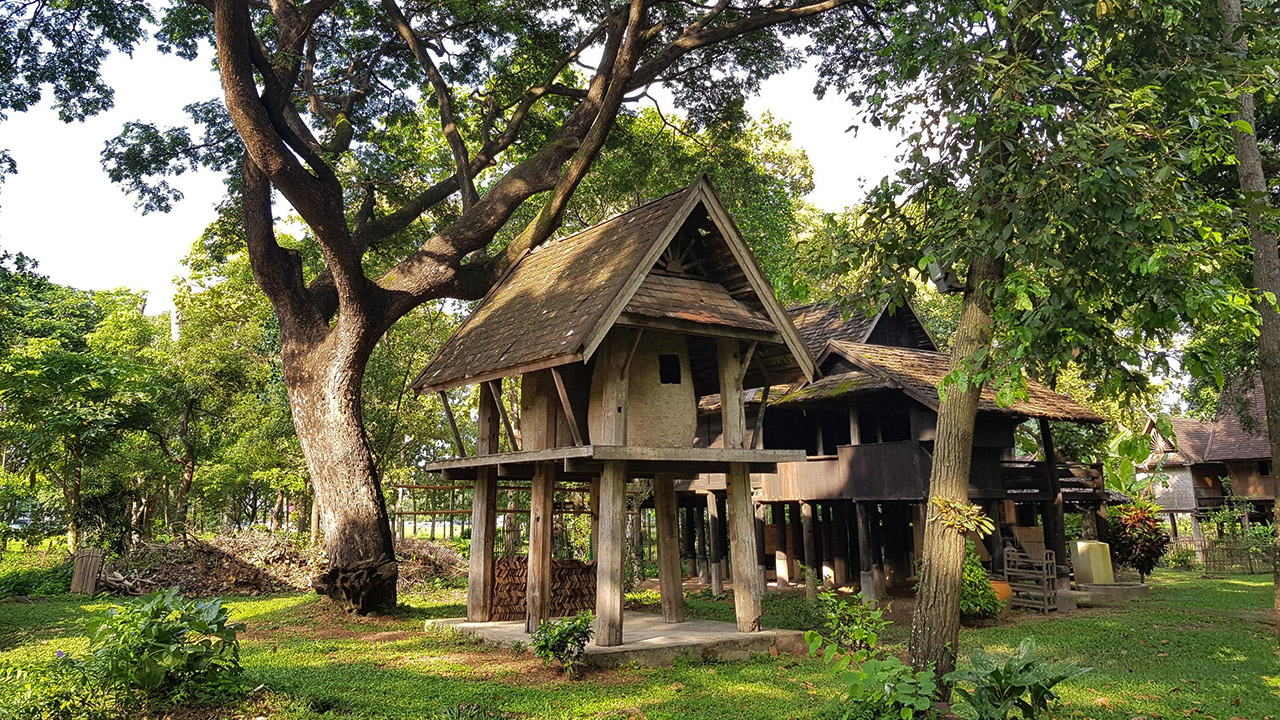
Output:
x=614 y=333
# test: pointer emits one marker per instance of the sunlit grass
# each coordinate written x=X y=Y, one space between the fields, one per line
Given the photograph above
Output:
x=1196 y=649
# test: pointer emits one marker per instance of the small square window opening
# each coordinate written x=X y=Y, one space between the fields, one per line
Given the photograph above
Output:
x=669 y=369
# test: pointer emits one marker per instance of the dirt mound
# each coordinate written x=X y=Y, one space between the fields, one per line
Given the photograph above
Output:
x=423 y=562
x=255 y=562
x=250 y=563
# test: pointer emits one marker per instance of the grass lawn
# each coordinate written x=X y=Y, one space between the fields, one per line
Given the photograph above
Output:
x=1196 y=649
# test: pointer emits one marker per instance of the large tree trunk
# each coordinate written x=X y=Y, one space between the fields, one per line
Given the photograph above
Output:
x=935 y=627
x=324 y=392
x=1266 y=257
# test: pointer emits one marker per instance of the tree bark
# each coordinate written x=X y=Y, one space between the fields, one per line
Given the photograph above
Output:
x=935 y=627
x=325 y=395
x=1266 y=257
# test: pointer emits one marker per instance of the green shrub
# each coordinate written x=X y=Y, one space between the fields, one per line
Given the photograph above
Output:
x=36 y=581
x=1021 y=682
x=172 y=649
x=852 y=625
x=59 y=690
x=564 y=641
x=1183 y=558
x=1137 y=537
x=878 y=686
x=977 y=598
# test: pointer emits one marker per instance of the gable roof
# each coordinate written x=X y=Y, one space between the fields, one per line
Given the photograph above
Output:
x=1192 y=443
x=920 y=372
x=1230 y=440
x=822 y=321
x=557 y=303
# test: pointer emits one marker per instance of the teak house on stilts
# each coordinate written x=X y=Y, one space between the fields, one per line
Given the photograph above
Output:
x=613 y=334
x=853 y=510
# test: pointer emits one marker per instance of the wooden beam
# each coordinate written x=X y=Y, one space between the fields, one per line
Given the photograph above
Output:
x=635 y=343
x=538 y=578
x=665 y=512
x=686 y=327
x=495 y=389
x=453 y=424
x=569 y=416
x=748 y=585
x=758 y=432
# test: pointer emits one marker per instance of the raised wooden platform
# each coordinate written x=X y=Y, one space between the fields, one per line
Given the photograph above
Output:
x=648 y=641
x=588 y=460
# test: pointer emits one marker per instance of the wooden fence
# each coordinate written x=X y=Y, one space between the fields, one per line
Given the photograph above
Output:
x=1239 y=557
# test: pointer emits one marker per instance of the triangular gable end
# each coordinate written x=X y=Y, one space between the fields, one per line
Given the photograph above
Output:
x=881 y=328
x=758 y=292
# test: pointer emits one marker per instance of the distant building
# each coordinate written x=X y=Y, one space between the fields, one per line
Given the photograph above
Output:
x=1188 y=469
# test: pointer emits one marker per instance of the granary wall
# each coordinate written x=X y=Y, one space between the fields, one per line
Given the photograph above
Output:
x=662 y=410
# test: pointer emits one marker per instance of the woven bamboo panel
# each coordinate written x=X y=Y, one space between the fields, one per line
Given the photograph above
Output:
x=573 y=587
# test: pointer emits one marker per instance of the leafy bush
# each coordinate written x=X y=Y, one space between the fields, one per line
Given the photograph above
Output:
x=36 y=581
x=852 y=625
x=977 y=598
x=1021 y=682
x=1137 y=537
x=1183 y=558
x=58 y=690
x=564 y=641
x=878 y=685
x=1262 y=533
x=172 y=649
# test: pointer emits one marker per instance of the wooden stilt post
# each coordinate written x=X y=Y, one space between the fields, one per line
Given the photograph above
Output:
x=866 y=561
x=840 y=561
x=796 y=556
x=666 y=517
x=1197 y=537
x=828 y=544
x=690 y=539
x=483 y=515
x=703 y=560
x=810 y=551
x=996 y=538
x=782 y=559
x=761 y=566
x=748 y=586
x=615 y=354
x=612 y=542
x=1055 y=531
x=593 y=502
x=713 y=546
x=538 y=581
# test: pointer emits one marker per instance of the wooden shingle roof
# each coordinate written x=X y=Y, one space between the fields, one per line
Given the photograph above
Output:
x=819 y=322
x=1192 y=443
x=555 y=305
x=920 y=372
x=1236 y=438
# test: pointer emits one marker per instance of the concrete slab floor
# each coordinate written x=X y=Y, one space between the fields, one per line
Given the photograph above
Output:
x=648 y=641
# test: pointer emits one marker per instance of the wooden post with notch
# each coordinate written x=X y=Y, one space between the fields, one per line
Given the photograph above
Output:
x=1055 y=531
x=484 y=517
x=747 y=585
x=615 y=353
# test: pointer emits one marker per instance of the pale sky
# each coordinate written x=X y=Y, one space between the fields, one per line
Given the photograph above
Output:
x=62 y=210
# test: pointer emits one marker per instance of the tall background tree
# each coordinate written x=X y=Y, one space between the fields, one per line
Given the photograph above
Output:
x=1046 y=166
x=520 y=100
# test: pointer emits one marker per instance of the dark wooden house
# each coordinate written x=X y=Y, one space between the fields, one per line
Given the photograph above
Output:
x=613 y=333
x=853 y=510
